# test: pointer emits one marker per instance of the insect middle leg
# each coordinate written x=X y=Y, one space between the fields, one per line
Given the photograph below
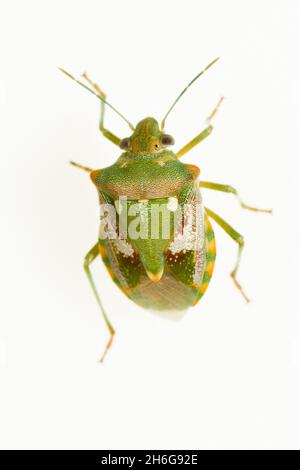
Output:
x=225 y=188
x=89 y=258
x=109 y=135
x=239 y=239
x=82 y=167
x=205 y=133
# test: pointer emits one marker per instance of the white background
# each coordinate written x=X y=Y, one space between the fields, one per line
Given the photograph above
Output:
x=227 y=374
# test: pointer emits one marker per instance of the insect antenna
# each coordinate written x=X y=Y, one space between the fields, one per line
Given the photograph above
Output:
x=185 y=89
x=98 y=96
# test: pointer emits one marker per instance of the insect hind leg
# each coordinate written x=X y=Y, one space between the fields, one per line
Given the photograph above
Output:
x=89 y=258
x=239 y=239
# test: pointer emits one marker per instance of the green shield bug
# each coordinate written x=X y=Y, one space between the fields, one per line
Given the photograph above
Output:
x=155 y=237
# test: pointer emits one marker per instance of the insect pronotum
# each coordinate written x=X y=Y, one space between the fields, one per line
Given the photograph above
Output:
x=156 y=237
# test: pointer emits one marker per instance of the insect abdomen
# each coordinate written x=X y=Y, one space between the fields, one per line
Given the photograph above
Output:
x=179 y=288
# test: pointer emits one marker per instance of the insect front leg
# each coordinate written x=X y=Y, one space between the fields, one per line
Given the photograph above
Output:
x=109 y=135
x=225 y=188
x=205 y=133
x=239 y=239
x=89 y=258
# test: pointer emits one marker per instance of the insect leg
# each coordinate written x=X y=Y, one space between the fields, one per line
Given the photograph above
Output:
x=109 y=135
x=229 y=189
x=89 y=258
x=239 y=239
x=205 y=133
x=82 y=167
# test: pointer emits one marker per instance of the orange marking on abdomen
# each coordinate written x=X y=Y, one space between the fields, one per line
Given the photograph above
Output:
x=210 y=267
x=101 y=250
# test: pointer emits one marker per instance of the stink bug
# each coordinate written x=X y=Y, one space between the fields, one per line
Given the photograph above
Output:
x=168 y=269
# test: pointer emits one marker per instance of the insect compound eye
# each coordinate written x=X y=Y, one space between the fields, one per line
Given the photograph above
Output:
x=167 y=140
x=124 y=144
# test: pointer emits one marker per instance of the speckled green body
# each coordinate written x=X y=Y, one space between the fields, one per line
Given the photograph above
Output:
x=161 y=272
x=145 y=176
x=156 y=273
